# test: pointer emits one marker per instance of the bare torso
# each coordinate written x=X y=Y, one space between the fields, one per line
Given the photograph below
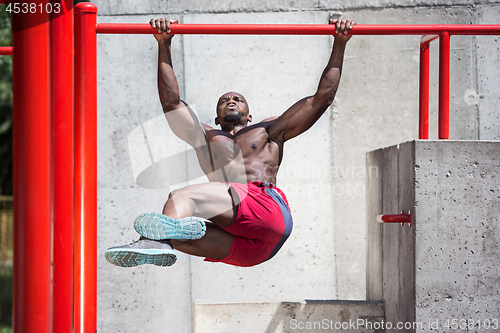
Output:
x=248 y=154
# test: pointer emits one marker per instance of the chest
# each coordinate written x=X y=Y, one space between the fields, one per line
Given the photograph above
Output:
x=245 y=142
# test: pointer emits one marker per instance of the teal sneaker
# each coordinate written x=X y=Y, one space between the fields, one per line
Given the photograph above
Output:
x=158 y=226
x=142 y=251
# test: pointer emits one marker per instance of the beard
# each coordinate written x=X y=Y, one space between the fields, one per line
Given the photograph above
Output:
x=233 y=117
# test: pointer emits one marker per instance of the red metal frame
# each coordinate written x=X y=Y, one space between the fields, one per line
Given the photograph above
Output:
x=32 y=176
x=61 y=42
x=85 y=168
x=444 y=86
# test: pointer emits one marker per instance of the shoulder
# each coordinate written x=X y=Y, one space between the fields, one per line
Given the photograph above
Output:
x=270 y=119
x=214 y=134
x=266 y=123
x=206 y=127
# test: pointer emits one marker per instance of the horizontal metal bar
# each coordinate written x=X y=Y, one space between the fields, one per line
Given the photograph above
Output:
x=301 y=29
x=395 y=218
x=6 y=50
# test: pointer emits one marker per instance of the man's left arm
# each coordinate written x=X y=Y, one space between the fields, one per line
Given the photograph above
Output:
x=303 y=114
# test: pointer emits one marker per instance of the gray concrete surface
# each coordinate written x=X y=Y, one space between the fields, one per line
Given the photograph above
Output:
x=286 y=317
x=443 y=271
x=457 y=240
x=376 y=106
x=142 y=299
x=486 y=97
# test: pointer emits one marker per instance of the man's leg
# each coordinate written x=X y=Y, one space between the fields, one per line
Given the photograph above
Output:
x=211 y=201
x=215 y=244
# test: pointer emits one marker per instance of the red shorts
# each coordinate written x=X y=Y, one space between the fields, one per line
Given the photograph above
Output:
x=261 y=227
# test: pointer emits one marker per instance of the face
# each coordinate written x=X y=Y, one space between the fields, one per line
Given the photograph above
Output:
x=232 y=108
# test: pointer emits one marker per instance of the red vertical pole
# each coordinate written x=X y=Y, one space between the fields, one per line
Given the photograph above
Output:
x=85 y=168
x=32 y=190
x=423 y=121
x=444 y=85
x=61 y=65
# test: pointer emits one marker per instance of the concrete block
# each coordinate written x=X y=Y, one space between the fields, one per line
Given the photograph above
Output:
x=281 y=317
x=442 y=269
x=456 y=245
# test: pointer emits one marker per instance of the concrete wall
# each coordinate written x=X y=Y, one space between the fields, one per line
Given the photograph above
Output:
x=446 y=266
x=126 y=100
x=323 y=172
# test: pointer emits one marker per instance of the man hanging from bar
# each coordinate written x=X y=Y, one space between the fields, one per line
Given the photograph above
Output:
x=239 y=217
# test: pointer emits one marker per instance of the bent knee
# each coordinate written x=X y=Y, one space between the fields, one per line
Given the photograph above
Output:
x=178 y=242
x=174 y=194
x=181 y=195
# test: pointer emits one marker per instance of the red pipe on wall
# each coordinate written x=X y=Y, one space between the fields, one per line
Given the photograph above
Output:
x=444 y=85
x=423 y=104
x=32 y=176
x=395 y=218
x=6 y=50
x=61 y=64
x=85 y=304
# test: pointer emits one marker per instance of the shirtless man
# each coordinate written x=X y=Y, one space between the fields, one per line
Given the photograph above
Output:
x=239 y=217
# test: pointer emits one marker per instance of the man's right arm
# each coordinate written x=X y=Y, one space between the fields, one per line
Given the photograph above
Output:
x=181 y=119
